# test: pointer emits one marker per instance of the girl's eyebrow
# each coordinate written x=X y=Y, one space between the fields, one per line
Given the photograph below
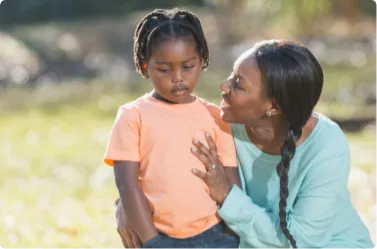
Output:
x=189 y=59
x=169 y=63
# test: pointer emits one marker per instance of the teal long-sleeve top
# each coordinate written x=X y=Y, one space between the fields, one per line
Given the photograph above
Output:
x=319 y=209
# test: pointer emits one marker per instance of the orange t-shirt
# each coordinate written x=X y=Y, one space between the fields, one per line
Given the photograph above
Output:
x=159 y=135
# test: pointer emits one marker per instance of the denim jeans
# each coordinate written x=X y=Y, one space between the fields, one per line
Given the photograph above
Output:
x=212 y=238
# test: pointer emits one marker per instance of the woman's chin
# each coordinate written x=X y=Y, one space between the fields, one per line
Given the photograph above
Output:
x=226 y=116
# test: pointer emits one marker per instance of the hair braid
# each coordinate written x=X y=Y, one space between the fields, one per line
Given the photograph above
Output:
x=141 y=35
x=161 y=24
x=287 y=153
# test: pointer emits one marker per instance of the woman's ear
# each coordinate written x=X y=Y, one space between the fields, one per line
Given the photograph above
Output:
x=274 y=109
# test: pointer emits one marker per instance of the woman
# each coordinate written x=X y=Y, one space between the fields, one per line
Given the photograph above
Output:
x=294 y=163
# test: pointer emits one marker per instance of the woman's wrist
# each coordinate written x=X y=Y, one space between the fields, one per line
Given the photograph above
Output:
x=227 y=190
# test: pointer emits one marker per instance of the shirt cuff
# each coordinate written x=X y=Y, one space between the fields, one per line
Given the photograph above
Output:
x=236 y=204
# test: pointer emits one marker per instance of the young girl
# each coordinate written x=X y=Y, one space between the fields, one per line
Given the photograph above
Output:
x=149 y=146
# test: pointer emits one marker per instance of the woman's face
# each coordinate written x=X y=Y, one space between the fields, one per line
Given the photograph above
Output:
x=243 y=93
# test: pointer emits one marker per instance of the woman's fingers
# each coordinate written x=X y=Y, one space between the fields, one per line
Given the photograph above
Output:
x=205 y=159
x=211 y=154
x=211 y=144
x=202 y=175
x=201 y=147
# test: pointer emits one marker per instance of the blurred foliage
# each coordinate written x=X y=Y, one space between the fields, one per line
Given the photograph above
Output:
x=305 y=18
x=30 y=11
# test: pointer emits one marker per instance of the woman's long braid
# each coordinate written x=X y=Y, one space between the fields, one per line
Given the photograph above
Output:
x=287 y=153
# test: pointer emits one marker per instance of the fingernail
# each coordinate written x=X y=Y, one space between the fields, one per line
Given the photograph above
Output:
x=207 y=134
x=193 y=149
x=193 y=170
x=195 y=141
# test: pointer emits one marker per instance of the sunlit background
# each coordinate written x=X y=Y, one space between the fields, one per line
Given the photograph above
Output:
x=66 y=66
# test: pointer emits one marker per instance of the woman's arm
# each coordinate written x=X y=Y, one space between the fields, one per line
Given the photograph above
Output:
x=314 y=210
x=134 y=202
x=309 y=220
x=232 y=175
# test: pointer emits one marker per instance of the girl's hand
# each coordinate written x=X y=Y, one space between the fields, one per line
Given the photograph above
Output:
x=126 y=233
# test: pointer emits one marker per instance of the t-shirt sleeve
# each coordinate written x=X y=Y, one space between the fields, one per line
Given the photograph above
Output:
x=123 y=144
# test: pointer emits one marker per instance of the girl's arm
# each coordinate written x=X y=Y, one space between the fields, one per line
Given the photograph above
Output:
x=134 y=202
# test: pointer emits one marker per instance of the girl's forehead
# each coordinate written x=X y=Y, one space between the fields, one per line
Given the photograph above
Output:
x=174 y=46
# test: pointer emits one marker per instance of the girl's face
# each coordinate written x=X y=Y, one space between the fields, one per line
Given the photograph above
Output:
x=174 y=69
x=243 y=93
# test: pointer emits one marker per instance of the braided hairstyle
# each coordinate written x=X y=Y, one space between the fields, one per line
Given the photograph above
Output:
x=293 y=80
x=163 y=24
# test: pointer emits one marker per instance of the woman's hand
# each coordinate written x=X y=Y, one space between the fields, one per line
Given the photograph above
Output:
x=215 y=176
x=128 y=236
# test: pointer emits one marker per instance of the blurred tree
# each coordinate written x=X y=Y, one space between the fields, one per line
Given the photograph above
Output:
x=368 y=7
x=348 y=8
x=239 y=19
x=305 y=14
x=228 y=14
x=31 y=11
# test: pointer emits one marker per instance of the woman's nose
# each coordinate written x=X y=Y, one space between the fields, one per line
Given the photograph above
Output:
x=225 y=87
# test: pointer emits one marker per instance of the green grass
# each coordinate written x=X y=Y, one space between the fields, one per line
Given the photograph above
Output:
x=55 y=191
x=55 y=185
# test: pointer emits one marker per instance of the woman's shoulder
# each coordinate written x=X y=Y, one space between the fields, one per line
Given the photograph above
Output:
x=326 y=138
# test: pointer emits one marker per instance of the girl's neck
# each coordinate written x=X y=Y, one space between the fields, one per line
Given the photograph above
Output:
x=156 y=95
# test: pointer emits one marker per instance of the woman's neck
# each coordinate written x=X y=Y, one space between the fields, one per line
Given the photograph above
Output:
x=268 y=135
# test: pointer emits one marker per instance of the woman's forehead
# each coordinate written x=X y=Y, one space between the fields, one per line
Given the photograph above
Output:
x=244 y=56
x=245 y=65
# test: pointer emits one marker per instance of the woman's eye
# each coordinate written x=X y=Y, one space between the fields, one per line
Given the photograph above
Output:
x=236 y=82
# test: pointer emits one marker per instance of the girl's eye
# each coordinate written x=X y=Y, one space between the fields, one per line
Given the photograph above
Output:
x=188 y=67
x=163 y=70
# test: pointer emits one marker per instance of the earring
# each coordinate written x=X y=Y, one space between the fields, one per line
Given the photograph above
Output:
x=144 y=66
x=268 y=113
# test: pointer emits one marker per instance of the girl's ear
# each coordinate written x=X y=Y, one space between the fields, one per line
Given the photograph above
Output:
x=144 y=68
x=202 y=63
